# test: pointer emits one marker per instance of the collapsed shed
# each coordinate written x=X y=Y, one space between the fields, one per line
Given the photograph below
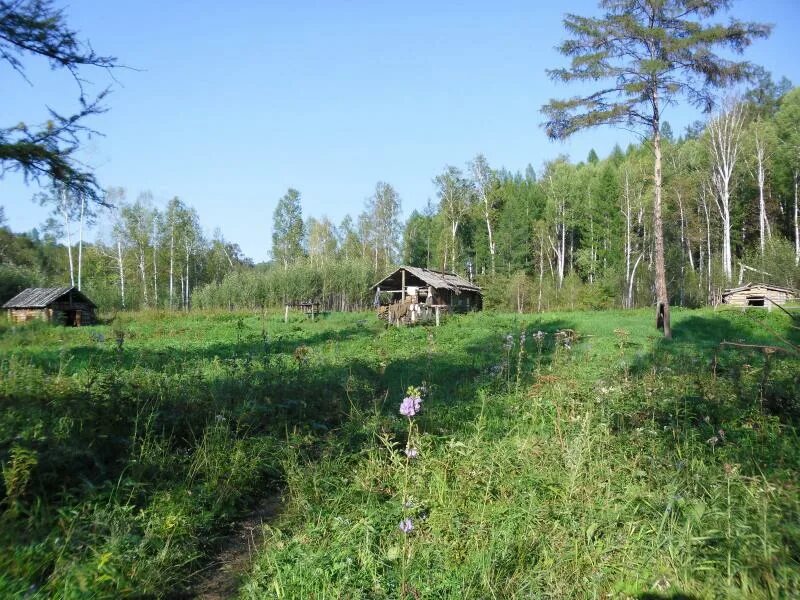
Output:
x=758 y=294
x=411 y=293
x=64 y=305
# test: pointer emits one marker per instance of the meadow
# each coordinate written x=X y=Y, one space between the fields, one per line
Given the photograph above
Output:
x=560 y=455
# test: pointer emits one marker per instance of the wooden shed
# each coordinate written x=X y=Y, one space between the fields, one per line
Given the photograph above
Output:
x=420 y=293
x=65 y=305
x=758 y=294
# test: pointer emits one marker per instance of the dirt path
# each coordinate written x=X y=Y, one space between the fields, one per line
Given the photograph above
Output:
x=224 y=574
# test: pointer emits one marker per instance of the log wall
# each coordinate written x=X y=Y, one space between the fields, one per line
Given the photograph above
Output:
x=747 y=297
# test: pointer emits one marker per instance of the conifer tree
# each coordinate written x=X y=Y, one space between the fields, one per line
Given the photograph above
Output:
x=647 y=53
x=46 y=151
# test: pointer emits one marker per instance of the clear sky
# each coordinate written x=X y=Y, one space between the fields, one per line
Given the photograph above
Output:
x=234 y=102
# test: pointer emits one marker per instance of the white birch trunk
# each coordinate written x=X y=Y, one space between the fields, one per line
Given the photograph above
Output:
x=725 y=132
x=171 y=263
x=796 y=222
x=80 y=242
x=763 y=225
x=121 y=272
x=541 y=271
x=708 y=243
x=186 y=301
x=143 y=273
x=155 y=268
x=64 y=209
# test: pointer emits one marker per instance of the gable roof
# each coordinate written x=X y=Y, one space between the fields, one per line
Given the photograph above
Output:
x=440 y=280
x=42 y=297
x=748 y=286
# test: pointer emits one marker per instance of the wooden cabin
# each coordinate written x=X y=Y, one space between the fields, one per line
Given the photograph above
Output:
x=65 y=306
x=415 y=294
x=758 y=294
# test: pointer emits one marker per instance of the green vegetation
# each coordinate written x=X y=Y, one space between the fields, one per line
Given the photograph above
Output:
x=608 y=463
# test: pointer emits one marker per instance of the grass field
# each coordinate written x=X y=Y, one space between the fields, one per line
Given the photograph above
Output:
x=607 y=464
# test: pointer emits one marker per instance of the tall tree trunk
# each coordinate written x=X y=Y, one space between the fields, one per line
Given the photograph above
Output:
x=186 y=301
x=761 y=177
x=683 y=250
x=489 y=231
x=796 y=221
x=727 y=262
x=541 y=270
x=725 y=131
x=171 y=263
x=143 y=274
x=689 y=252
x=632 y=280
x=65 y=214
x=454 y=233
x=591 y=249
x=155 y=272
x=121 y=272
x=708 y=245
x=80 y=242
x=662 y=298
x=628 y=249
x=563 y=255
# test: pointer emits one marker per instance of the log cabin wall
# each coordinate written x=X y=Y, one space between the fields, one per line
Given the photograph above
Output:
x=757 y=296
x=71 y=313
x=62 y=313
x=21 y=315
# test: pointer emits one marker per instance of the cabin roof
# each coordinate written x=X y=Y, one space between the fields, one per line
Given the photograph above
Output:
x=440 y=280
x=42 y=297
x=749 y=286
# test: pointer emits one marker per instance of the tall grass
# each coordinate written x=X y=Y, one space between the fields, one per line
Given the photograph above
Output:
x=592 y=463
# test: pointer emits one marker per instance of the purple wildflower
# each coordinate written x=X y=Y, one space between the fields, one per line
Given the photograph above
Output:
x=410 y=406
x=412 y=452
x=406 y=526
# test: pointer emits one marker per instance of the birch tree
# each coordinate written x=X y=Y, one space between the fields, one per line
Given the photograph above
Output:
x=484 y=180
x=172 y=217
x=287 y=229
x=71 y=209
x=558 y=178
x=725 y=132
x=455 y=200
x=383 y=213
x=761 y=138
x=66 y=208
x=321 y=241
x=116 y=197
x=137 y=224
x=633 y=212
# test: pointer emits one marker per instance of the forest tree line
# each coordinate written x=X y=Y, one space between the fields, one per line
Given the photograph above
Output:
x=570 y=235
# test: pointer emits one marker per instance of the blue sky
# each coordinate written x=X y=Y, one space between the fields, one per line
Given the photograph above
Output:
x=232 y=103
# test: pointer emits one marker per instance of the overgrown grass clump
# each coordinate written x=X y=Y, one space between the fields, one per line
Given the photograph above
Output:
x=564 y=455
